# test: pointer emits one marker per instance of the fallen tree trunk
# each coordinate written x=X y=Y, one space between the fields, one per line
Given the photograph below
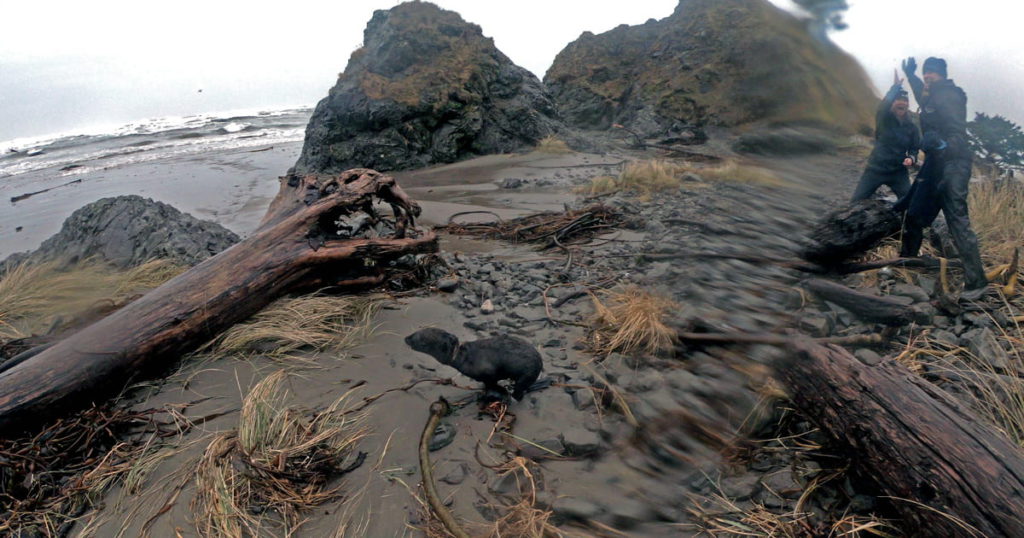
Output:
x=296 y=248
x=851 y=231
x=945 y=471
x=866 y=307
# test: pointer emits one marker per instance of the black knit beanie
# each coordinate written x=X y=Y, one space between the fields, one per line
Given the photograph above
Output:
x=935 y=65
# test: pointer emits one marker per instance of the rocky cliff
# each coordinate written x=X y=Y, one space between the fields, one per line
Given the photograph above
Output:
x=426 y=87
x=712 y=62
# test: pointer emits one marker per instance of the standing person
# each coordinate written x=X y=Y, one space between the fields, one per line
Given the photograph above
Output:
x=897 y=142
x=943 y=110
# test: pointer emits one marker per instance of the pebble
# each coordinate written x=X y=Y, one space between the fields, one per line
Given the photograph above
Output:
x=580 y=443
x=443 y=436
x=537 y=450
x=457 y=475
x=740 y=488
x=982 y=344
x=448 y=285
x=916 y=293
x=626 y=514
x=576 y=509
x=487 y=307
x=868 y=357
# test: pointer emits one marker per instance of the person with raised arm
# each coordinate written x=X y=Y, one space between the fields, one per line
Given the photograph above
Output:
x=943 y=113
x=897 y=142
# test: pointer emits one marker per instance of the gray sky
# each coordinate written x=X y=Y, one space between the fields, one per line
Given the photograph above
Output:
x=72 y=64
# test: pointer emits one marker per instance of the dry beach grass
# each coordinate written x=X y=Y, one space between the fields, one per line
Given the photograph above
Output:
x=313 y=322
x=32 y=296
x=276 y=464
x=647 y=177
x=630 y=319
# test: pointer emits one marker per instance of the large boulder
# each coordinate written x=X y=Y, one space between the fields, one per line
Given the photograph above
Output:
x=426 y=87
x=712 y=62
x=125 y=231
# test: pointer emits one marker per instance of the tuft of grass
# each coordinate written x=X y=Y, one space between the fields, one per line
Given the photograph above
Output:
x=642 y=177
x=552 y=145
x=312 y=322
x=652 y=176
x=997 y=213
x=734 y=172
x=275 y=465
x=600 y=185
x=996 y=394
x=630 y=319
x=31 y=296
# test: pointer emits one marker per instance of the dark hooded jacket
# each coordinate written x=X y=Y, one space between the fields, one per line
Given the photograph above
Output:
x=895 y=139
x=922 y=202
x=944 y=111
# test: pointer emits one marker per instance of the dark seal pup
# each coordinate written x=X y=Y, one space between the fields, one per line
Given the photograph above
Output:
x=489 y=360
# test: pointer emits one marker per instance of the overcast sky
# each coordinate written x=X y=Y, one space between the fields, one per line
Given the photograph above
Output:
x=76 y=64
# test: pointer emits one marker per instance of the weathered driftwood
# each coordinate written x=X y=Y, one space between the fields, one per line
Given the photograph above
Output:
x=905 y=263
x=293 y=250
x=866 y=307
x=944 y=470
x=851 y=231
x=776 y=339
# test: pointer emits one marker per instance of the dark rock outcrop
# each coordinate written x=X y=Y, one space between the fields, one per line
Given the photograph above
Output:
x=128 y=230
x=426 y=87
x=712 y=62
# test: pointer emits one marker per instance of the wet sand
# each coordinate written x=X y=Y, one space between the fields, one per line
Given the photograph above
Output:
x=234 y=187
x=378 y=488
x=621 y=485
x=231 y=188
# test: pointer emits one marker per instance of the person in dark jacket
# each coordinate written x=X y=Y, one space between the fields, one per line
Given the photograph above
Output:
x=897 y=141
x=921 y=204
x=943 y=111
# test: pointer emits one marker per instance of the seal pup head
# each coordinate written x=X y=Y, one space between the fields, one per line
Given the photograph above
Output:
x=435 y=342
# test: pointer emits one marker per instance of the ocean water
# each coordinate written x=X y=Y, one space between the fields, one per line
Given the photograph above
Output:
x=88 y=150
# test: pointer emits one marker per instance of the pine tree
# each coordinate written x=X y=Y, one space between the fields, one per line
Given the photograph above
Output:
x=996 y=140
x=827 y=14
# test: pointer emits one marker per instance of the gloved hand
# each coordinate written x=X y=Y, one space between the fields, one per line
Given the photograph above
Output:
x=910 y=66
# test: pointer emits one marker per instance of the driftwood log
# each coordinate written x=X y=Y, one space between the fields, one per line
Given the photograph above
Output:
x=944 y=470
x=296 y=248
x=866 y=307
x=851 y=231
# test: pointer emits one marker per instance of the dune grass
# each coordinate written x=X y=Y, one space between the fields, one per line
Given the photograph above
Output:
x=553 y=145
x=31 y=296
x=735 y=172
x=997 y=214
x=314 y=322
x=995 y=393
x=630 y=319
x=275 y=465
x=640 y=177
x=646 y=178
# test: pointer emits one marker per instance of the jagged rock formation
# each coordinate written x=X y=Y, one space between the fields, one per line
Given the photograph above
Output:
x=128 y=230
x=426 y=87
x=712 y=62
